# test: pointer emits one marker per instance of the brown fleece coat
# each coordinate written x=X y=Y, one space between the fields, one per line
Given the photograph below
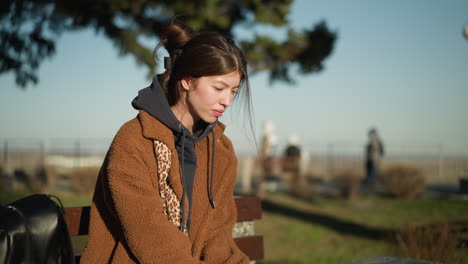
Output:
x=127 y=223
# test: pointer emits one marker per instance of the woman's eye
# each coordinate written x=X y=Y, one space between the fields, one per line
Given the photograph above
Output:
x=218 y=89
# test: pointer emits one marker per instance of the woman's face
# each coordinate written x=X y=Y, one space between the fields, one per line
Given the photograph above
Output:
x=208 y=97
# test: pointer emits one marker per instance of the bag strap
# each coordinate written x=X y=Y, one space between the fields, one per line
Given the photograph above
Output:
x=67 y=255
x=24 y=220
x=60 y=205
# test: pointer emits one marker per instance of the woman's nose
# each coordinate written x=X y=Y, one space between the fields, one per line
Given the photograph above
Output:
x=226 y=99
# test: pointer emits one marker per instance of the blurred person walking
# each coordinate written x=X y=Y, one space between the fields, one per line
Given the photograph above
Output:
x=374 y=151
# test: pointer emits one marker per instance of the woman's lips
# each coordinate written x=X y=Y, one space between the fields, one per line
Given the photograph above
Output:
x=218 y=113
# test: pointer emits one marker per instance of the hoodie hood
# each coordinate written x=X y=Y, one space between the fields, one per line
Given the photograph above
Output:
x=153 y=100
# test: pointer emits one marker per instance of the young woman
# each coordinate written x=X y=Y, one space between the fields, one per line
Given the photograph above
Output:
x=165 y=191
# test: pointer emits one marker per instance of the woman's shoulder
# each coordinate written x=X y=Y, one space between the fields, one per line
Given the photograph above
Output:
x=129 y=129
x=130 y=134
x=142 y=129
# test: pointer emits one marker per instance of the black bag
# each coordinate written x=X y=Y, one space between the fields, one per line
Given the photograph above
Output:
x=33 y=230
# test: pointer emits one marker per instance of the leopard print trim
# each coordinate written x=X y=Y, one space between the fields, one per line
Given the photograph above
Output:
x=171 y=205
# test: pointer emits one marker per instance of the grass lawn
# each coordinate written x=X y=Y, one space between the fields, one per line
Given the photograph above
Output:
x=332 y=230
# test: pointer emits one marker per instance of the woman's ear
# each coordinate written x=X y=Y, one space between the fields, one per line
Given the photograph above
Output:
x=186 y=83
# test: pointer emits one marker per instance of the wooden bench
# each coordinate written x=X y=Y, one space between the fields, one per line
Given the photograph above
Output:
x=248 y=210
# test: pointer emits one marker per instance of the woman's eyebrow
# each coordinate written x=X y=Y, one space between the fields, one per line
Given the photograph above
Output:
x=222 y=83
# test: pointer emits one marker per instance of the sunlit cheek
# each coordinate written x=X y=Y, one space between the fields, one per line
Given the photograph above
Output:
x=204 y=100
x=218 y=100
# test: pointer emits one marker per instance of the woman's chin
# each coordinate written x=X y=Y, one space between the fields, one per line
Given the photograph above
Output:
x=210 y=119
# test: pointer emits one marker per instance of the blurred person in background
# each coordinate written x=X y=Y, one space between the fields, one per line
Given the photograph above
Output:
x=291 y=160
x=374 y=151
x=266 y=152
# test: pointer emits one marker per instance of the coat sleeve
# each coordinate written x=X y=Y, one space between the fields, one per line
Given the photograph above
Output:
x=220 y=246
x=150 y=236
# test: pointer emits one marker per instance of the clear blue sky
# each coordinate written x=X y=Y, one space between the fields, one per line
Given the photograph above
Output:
x=399 y=65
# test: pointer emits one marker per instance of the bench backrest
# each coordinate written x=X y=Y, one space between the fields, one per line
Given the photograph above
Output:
x=248 y=209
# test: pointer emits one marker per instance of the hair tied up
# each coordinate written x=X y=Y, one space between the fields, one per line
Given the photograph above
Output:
x=169 y=62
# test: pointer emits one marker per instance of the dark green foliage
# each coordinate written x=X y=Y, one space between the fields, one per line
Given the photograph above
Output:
x=29 y=29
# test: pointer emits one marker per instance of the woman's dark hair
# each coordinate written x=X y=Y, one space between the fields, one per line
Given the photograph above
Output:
x=194 y=54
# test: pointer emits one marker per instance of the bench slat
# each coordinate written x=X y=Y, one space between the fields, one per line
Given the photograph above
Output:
x=252 y=246
x=77 y=219
x=248 y=208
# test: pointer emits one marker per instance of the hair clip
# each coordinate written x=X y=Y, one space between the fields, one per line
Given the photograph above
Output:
x=168 y=63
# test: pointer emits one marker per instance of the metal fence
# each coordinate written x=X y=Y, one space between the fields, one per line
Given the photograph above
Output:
x=323 y=159
x=29 y=154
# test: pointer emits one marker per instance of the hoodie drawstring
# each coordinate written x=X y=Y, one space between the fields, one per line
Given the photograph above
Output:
x=185 y=225
x=182 y=203
x=213 y=204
